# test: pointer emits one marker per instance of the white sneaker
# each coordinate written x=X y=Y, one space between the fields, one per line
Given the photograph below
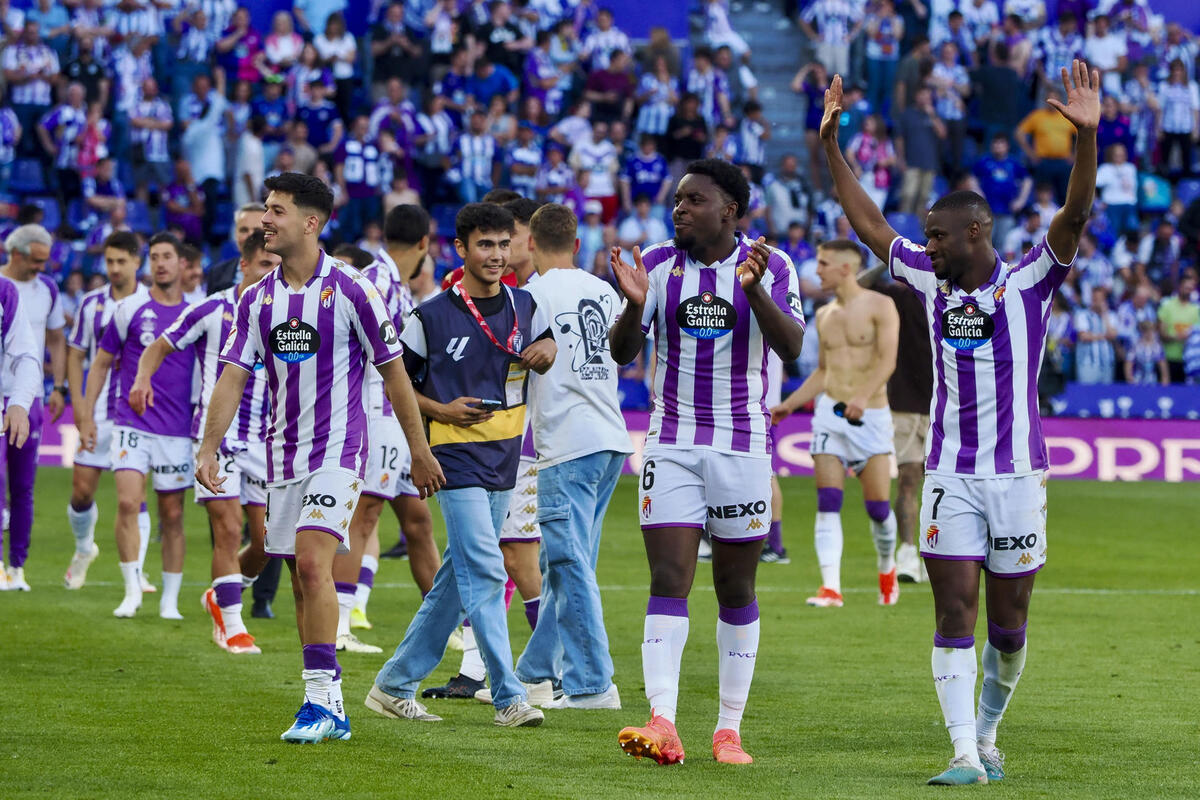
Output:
x=538 y=694
x=4 y=587
x=610 y=698
x=386 y=705
x=352 y=644
x=908 y=564
x=128 y=607
x=519 y=715
x=16 y=580
x=147 y=586
x=169 y=613
x=77 y=571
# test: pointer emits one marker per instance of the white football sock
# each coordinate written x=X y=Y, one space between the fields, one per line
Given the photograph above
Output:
x=231 y=615
x=321 y=689
x=169 y=604
x=737 y=647
x=362 y=593
x=133 y=579
x=472 y=665
x=143 y=538
x=827 y=537
x=662 y=650
x=954 y=672
x=83 y=526
x=345 y=602
x=884 y=534
x=1001 y=671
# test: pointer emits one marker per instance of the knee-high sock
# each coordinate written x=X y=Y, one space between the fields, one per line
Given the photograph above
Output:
x=532 y=606
x=1003 y=661
x=737 y=645
x=83 y=526
x=472 y=665
x=883 y=531
x=323 y=678
x=143 y=537
x=168 y=601
x=345 y=600
x=666 y=632
x=366 y=581
x=228 y=589
x=954 y=672
x=775 y=536
x=828 y=540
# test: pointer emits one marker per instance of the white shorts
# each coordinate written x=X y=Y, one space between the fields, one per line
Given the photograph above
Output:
x=389 y=462
x=854 y=445
x=169 y=458
x=727 y=494
x=521 y=524
x=323 y=501
x=101 y=456
x=999 y=521
x=243 y=465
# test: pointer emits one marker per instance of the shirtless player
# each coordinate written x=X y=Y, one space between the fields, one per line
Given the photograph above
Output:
x=852 y=427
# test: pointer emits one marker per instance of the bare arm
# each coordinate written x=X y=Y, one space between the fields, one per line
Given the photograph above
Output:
x=1083 y=110
x=887 y=340
x=85 y=419
x=426 y=472
x=75 y=377
x=625 y=338
x=781 y=332
x=56 y=343
x=865 y=217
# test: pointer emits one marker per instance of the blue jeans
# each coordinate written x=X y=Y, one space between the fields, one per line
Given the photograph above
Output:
x=572 y=499
x=881 y=76
x=470 y=191
x=471 y=582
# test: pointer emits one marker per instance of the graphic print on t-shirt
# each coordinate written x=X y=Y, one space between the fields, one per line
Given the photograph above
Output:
x=590 y=325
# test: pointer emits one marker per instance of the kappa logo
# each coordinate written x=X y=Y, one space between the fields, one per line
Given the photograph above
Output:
x=325 y=500
x=528 y=527
x=931 y=535
x=349 y=505
x=646 y=507
x=734 y=510
x=266 y=301
x=754 y=525
x=1025 y=559
x=344 y=524
x=530 y=489
x=316 y=513
x=530 y=508
x=227 y=317
x=531 y=472
x=457 y=346
x=677 y=271
x=354 y=486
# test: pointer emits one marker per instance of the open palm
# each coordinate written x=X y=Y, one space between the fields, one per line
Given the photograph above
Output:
x=832 y=118
x=1083 y=99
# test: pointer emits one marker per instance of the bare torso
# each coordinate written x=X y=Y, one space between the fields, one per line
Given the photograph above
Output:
x=850 y=352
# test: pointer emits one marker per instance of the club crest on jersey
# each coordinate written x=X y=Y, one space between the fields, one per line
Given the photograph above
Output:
x=706 y=316
x=931 y=535
x=327 y=297
x=998 y=295
x=294 y=341
x=646 y=507
x=967 y=327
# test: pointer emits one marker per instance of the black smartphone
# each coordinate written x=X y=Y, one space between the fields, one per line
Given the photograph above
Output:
x=840 y=410
x=489 y=405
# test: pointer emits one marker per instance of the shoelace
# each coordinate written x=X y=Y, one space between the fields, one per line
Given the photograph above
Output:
x=309 y=714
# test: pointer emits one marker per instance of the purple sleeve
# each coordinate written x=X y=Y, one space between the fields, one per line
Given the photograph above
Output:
x=908 y=264
x=653 y=258
x=112 y=339
x=375 y=328
x=189 y=326
x=1040 y=269
x=240 y=348
x=785 y=287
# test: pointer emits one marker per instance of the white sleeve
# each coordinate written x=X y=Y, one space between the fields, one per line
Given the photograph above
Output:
x=25 y=363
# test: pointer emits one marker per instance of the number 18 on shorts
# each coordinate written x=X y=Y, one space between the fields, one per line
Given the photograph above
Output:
x=728 y=494
x=999 y=521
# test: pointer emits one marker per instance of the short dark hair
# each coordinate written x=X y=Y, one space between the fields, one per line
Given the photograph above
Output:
x=752 y=107
x=406 y=224
x=728 y=179
x=554 y=228
x=166 y=238
x=843 y=246
x=500 y=196
x=307 y=191
x=963 y=200
x=522 y=209
x=355 y=256
x=124 y=240
x=257 y=240
x=189 y=252
x=29 y=213
x=482 y=217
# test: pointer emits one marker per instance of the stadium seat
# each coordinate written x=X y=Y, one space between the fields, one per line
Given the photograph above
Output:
x=79 y=215
x=443 y=214
x=27 y=177
x=633 y=394
x=1188 y=190
x=137 y=216
x=907 y=226
x=52 y=219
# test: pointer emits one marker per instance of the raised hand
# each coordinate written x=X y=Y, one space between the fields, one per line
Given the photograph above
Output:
x=1083 y=99
x=833 y=110
x=633 y=281
x=751 y=271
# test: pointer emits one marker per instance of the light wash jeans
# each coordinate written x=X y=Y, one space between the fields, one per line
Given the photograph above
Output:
x=471 y=582
x=572 y=499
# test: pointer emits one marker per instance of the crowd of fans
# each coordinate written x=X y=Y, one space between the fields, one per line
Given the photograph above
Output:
x=441 y=101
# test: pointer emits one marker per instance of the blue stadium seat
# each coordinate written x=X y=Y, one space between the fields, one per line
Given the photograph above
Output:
x=137 y=216
x=633 y=394
x=1188 y=190
x=49 y=206
x=27 y=177
x=79 y=215
x=443 y=214
x=907 y=226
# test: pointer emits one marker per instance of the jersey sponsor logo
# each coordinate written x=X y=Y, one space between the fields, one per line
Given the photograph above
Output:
x=325 y=500
x=387 y=332
x=295 y=341
x=968 y=327
x=795 y=303
x=735 y=510
x=172 y=469
x=931 y=535
x=589 y=324
x=1025 y=542
x=457 y=346
x=706 y=316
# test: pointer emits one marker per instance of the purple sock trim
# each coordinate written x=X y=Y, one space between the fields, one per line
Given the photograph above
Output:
x=878 y=510
x=143 y=509
x=531 y=611
x=1004 y=640
x=466 y=623
x=345 y=588
x=228 y=594
x=961 y=643
x=829 y=500
x=322 y=656
x=366 y=577
x=775 y=536
x=667 y=606
x=739 y=616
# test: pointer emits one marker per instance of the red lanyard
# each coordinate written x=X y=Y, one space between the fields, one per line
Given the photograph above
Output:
x=513 y=337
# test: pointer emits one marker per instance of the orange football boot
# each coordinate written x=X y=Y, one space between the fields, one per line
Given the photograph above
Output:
x=727 y=748
x=658 y=740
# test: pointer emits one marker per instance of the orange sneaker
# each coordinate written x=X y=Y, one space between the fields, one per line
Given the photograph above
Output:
x=658 y=740
x=209 y=602
x=727 y=748
x=826 y=598
x=889 y=588
x=241 y=643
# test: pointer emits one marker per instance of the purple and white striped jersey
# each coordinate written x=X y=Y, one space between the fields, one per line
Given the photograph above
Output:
x=398 y=301
x=21 y=380
x=92 y=318
x=316 y=343
x=710 y=379
x=136 y=323
x=987 y=351
x=205 y=325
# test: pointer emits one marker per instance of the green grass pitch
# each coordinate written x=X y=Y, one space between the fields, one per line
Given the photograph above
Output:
x=842 y=705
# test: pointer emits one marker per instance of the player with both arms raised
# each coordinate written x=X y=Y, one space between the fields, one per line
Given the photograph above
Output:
x=984 y=501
